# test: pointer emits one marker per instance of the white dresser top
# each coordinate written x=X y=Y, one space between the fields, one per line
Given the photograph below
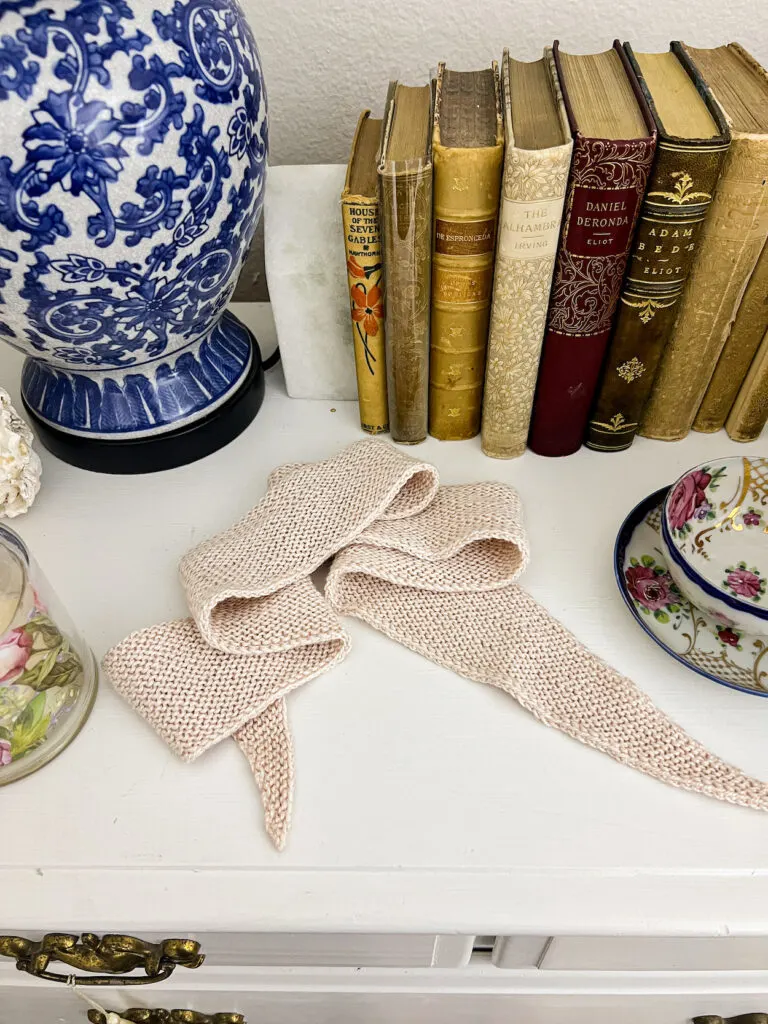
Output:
x=424 y=802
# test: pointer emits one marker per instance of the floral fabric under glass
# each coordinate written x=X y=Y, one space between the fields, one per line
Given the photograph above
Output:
x=48 y=676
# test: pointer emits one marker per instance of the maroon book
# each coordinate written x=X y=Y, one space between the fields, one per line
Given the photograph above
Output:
x=605 y=190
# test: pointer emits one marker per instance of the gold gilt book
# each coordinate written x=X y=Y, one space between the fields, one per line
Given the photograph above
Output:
x=536 y=164
x=360 y=215
x=743 y=342
x=467 y=146
x=405 y=182
x=731 y=241
x=693 y=139
x=750 y=410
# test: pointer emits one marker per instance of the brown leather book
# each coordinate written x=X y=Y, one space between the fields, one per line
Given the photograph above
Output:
x=405 y=208
x=731 y=240
x=365 y=273
x=614 y=139
x=693 y=139
x=467 y=148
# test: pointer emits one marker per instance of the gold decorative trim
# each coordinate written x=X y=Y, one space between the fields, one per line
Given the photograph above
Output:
x=675 y=218
x=648 y=307
x=610 y=447
x=631 y=370
x=665 y=284
x=682 y=193
x=617 y=425
x=606 y=188
x=693 y=149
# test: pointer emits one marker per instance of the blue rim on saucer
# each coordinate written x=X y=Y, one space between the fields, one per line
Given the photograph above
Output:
x=723 y=654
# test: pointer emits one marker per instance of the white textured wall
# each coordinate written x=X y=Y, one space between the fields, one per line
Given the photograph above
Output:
x=325 y=60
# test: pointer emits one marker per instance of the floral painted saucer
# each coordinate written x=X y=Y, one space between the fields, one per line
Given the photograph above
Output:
x=722 y=653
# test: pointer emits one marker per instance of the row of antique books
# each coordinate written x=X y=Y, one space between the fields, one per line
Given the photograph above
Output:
x=573 y=251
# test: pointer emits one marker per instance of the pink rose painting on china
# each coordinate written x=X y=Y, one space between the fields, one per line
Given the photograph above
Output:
x=687 y=497
x=15 y=649
x=651 y=589
x=744 y=582
x=5 y=753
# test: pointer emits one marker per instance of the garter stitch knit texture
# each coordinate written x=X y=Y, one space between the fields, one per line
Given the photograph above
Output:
x=432 y=567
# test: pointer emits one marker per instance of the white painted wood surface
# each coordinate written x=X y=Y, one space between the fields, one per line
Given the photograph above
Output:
x=476 y=995
x=424 y=803
x=658 y=953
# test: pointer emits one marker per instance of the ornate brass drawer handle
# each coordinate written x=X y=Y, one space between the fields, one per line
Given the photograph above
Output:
x=139 y=1016
x=104 y=957
x=742 y=1018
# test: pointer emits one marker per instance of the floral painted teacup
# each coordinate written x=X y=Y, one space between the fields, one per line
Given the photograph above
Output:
x=714 y=533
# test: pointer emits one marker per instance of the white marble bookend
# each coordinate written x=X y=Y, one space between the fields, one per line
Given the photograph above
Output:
x=305 y=262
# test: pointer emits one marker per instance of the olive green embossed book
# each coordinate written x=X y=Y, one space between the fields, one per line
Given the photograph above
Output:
x=733 y=236
x=693 y=139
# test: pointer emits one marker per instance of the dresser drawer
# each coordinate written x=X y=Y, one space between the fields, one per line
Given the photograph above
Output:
x=305 y=949
x=287 y=949
x=589 y=953
x=476 y=995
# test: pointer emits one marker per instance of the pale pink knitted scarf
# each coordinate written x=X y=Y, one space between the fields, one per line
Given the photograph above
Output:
x=432 y=567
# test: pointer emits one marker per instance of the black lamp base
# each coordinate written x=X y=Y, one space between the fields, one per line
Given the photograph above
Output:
x=161 y=451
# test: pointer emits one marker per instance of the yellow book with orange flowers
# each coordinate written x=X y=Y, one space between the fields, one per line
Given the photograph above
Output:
x=360 y=213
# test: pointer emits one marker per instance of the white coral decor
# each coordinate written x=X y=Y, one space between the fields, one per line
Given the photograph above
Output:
x=20 y=467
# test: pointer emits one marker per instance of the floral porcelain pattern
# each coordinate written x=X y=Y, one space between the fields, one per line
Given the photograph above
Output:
x=130 y=187
x=40 y=680
x=714 y=649
x=716 y=515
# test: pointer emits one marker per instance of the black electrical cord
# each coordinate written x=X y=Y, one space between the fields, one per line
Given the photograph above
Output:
x=272 y=360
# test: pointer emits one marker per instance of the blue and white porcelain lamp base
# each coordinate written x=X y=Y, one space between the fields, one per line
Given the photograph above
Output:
x=53 y=400
x=133 y=153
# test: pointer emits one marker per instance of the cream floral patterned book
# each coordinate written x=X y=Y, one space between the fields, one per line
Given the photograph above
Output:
x=536 y=164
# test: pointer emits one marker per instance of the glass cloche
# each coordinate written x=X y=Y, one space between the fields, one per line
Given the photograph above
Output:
x=48 y=676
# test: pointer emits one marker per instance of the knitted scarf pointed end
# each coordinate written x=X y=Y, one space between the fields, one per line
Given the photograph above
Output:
x=266 y=742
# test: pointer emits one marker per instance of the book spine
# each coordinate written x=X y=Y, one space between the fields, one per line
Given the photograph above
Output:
x=750 y=409
x=533 y=196
x=362 y=239
x=466 y=184
x=406 y=221
x=731 y=241
x=607 y=183
x=679 y=196
x=746 y=334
